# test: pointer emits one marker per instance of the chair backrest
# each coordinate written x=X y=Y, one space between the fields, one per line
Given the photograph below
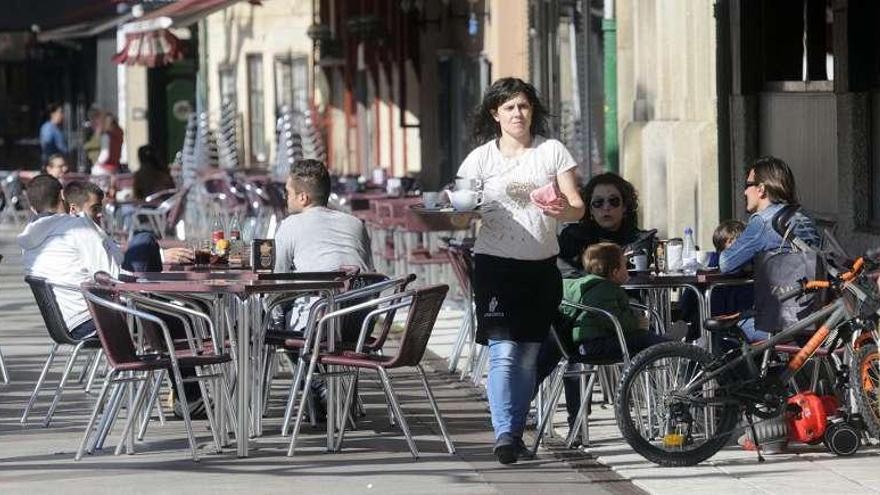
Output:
x=49 y=309
x=111 y=326
x=351 y=323
x=423 y=311
x=176 y=210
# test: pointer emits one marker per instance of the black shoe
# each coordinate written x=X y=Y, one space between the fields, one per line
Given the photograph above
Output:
x=506 y=449
x=523 y=452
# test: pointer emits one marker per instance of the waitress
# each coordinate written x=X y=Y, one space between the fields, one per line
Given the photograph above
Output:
x=517 y=286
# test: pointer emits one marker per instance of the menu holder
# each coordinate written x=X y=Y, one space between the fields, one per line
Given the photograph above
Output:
x=262 y=255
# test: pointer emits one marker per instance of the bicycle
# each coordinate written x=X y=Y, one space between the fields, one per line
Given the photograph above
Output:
x=678 y=404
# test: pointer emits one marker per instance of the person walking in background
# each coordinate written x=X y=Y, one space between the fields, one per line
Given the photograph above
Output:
x=517 y=286
x=152 y=176
x=92 y=146
x=110 y=156
x=52 y=139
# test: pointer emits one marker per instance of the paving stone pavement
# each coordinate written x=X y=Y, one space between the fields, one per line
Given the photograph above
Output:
x=803 y=469
x=36 y=460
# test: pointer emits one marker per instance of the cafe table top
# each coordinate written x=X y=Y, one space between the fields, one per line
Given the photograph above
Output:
x=638 y=280
x=242 y=287
x=241 y=275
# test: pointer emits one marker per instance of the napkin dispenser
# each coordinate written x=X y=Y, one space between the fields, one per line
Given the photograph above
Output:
x=263 y=255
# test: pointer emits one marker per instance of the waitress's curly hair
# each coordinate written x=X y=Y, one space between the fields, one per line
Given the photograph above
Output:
x=628 y=194
x=484 y=128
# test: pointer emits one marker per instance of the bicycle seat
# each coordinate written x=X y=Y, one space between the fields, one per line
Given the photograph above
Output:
x=722 y=322
x=726 y=326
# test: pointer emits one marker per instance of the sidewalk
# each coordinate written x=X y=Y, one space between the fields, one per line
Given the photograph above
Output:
x=375 y=459
x=803 y=470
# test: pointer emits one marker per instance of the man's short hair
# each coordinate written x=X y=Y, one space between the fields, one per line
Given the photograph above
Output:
x=726 y=232
x=312 y=177
x=52 y=108
x=77 y=192
x=777 y=178
x=602 y=259
x=43 y=193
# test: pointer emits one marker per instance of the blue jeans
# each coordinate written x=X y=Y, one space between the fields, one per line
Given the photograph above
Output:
x=511 y=384
x=752 y=333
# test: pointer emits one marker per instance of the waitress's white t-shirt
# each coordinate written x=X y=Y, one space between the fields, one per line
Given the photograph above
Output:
x=512 y=226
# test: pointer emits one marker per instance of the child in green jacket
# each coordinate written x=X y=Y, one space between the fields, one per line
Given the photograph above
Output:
x=605 y=265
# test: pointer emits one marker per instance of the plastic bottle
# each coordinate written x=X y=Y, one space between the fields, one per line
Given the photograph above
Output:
x=688 y=250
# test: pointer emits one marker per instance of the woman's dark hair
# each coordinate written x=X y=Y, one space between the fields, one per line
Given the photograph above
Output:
x=628 y=194
x=777 y=178
x=484 y=128
x=148 y=158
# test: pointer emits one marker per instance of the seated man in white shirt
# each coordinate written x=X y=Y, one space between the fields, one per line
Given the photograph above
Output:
x=64 y=249
x=143 y=253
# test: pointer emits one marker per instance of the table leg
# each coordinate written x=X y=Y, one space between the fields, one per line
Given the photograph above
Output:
x=242 y=391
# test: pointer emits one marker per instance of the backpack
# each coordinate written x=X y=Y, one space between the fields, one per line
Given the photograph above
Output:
x=782 y=269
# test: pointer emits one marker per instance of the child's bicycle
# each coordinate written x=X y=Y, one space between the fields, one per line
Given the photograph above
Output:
x=677 y=405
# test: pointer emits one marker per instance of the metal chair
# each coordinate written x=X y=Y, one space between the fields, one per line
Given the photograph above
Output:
x=422 y=307
x=126 y=364
x=588 y=368
x=44 y=294
x=364 y=287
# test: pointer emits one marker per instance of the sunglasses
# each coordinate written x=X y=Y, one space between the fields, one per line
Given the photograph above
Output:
x=749 y=184
x=613 y=202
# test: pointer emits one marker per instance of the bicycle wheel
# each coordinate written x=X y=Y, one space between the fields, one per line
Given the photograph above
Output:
x=865 y=382
x=662 y=426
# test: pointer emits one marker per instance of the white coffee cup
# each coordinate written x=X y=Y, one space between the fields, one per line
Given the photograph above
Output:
x=464 y=199
x=430 y=199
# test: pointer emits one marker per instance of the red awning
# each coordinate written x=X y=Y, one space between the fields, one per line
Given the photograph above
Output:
x=150 y=48
x=181 y=13
x=149 y=42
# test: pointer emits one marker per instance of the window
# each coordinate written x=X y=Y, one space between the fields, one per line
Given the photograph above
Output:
x=256 y=119
x=797 y=36
x=292 y=83
x=227 y=83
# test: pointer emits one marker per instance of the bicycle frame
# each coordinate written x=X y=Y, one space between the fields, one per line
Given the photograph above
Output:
x=836 y=313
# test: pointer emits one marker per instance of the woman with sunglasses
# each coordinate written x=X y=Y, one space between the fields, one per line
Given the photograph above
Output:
x=517 y=286
x=612 y=216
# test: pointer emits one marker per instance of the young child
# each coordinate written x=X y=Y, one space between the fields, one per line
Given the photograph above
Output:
x=605 y=265
x=725 y=300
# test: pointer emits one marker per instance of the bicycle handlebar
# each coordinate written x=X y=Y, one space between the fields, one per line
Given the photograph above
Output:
x=805 y=286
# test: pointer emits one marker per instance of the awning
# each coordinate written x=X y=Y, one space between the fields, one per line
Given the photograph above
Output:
x=148 y=40
x=181 y=14
x=150 y=48
x=83 y=29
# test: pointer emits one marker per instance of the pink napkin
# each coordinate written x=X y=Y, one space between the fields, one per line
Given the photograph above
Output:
x=546 y=194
